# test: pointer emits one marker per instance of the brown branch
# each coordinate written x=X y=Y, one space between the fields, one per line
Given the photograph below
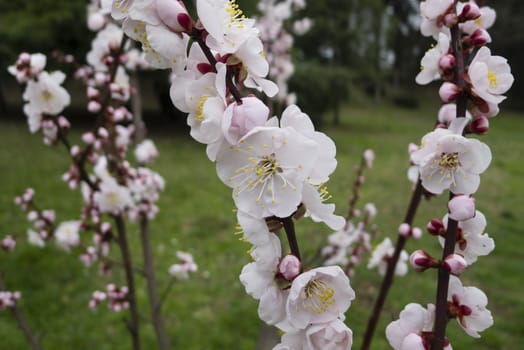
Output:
x=133 y=324
x=152 y=292
x=289 y=227
x=441 y=312
x=390 y=272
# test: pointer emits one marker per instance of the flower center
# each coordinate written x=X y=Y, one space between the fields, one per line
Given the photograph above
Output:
x=318 y=296
x=236 y=15
x=449 y=161
x=493 y=83
x=47 y=96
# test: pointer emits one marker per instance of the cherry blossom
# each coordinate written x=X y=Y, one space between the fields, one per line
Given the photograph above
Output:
x=382 y=253
x=430 y=64
x=472 y=242
x=319 y=295
x=67 y=234
x=468 y=306
x=46 y=95
x=490 y=76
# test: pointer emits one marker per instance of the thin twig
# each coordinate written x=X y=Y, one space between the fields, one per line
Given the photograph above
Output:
x=390 y=272
x=133 y=325
x=289 y=227
x=152 y=293
x=32 y=338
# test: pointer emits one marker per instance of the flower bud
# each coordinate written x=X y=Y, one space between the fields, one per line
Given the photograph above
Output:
x=75 y=151
x=239 y=119
x=455 y=264
x=461 y=208
x=416 y=232
x=92 y=93
x=94 y=107
x=404 y=230
x=450 y=19
x=370 y=210
x=412 y=148
x=470 y=11
x=447 y=62
x=174 y=15
x=480 y=37
x=449 y=92
x=63 y=122
x=289 y=267
x=95 y=21
x=88 y=138
x=480 y=125
x=421 y=261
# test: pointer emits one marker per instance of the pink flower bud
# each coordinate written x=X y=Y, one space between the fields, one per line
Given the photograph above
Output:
x=32 y=215
x=204 y=68
x=92 y=93
x=449 y=92
x=450 y=19
x=480 y=37
x=480 y=125
x=63 y=122
x=412 y=148
x=471 y=11
x=103 y=133
x=174 y=15
x=101 y=78
x=416 y=232
x=239 y=119
x=88 y=138
x=24 y=58
x=404 y=230
x=289 y=267
x=455 y=264
x=461 y=208
x=75 y=151
x=421 y=261
x=447 y=62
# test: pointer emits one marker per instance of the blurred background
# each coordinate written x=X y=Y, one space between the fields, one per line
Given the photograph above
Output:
x=354 y=75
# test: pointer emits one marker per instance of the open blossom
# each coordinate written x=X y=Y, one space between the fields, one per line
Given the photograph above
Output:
x=430 y=64
x=67 y=234
x=228 y=28
x=490 y=76
x=267 y=170
x=106 y=40
x=334 y=335
x=46 y=95
x=146 y=151
x=413 y=328
x=450 y=161
x=186 y=265
x=485 y=21
x=27 y=66
x=472 y=242
x=468 y=306
x=317 y=296
x=433 y=12
x=112 y=197
x=381 y=255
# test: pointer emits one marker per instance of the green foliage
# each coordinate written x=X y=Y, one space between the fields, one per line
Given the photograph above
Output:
x=320 y=87
x=42 y=26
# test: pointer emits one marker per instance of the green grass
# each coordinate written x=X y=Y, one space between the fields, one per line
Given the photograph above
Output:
x=211 y=310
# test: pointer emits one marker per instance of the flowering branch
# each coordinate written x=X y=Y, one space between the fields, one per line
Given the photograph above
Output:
x=441 y=312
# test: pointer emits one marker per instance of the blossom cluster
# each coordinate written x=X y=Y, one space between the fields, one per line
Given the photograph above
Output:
x=276 y=167
x=474 y=82
x=8 y=299
x=116 y=297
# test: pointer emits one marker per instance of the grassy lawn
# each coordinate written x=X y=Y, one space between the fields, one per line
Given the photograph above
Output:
x=211 y=310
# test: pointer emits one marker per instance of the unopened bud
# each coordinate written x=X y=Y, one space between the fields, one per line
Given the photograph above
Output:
x=480 y=37
x=289 y=267
x=449 y=92
x=94 y=107
x=480 y=125
x=416 y=232
x=435 y=227
x=88 y=138
x=470 y=11
x=75 y=151
x=404 y=230
x=421 y=261
x=369 y=157
x=63 y=122
x=447 y=62
x=450 y=19
x=103 y=133
x=92 y=92
x=174 y=15
x=461 y=208
x=455 y=264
